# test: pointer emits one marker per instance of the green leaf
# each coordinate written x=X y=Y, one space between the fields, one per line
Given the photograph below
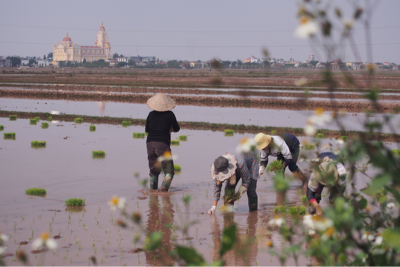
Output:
x=362 y=203
x=190 y=256
x=392 y=237
x=153 y=241
x=228 y=239
x=377 y=184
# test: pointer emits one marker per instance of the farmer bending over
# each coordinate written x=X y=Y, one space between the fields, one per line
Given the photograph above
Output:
x=326 y=172
x=286 y=148
x=159 y=124
x=231 y=167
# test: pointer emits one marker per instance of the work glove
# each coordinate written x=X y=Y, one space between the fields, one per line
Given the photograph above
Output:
x=261 y=171
x=239 y=193
x=212 y=210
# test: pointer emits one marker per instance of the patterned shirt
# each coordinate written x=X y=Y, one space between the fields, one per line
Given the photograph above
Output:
x=278 y=147
x=247 y=169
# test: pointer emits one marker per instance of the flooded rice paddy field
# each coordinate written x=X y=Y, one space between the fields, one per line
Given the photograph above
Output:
x=66 y=169
x=229 y=115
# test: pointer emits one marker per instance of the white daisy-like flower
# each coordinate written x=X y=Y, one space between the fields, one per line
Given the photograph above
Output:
x=307 y=28
x=2 y=250
x=340 y=141
x=321 y=224
x=166 y=157
x=3 y=237
x=44 y=240
x=348 y=23
x=276 y=221
x=310 y=130
x=390 y=205
x=378 y=240
x=116 y=202
x=246 y=145
x=368 y=236
x=301 y=82
x=311 y=232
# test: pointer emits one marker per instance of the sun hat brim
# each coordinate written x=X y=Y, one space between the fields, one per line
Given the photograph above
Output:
x=224 y=175
x=326 y=173
x=161 y=102
x=262 y=140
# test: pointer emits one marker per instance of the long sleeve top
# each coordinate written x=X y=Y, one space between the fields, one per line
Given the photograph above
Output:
x=278 y=147
x=158 y=126
x=247 y=168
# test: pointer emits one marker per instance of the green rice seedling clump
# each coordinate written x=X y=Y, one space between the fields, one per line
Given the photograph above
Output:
x=177 y=168
x=344 y=138
x=37 y=119
x=280 y=209
x=45 y=125
x=320 y=135
x=13 y=117
x=309 y=146
x=126 y=123
x=297 y=210
x=38 y=143
x=138 y=135
x=1 y=127
x=92 y=128
x=183 y=137
x=229 y=132
x=273 y=132
x=9 y=135
x=275 y=166
x=396 y=152
x=304 y=199
x=175 y=143
x=50 y=118
x=98 y=153
x=75 y=202
x=35 y=191
x=78 y=120
x=33 y=121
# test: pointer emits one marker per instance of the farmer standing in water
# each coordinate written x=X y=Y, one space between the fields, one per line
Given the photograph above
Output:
x=159 y=124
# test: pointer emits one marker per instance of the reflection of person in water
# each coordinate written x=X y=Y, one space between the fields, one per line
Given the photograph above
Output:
x=245 y=251
x=160 y=219
x=102 y=106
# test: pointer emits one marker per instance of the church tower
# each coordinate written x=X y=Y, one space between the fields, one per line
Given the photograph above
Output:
x=102 y=41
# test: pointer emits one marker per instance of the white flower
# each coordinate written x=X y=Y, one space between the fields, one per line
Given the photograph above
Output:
x=166 y=156
x=340 y=141
x=311 y=232
x=310 y=130
x=368 y=236
x=3 y=237
x=390 y=205
x=246 y=145
x=2 y=250
x=321 y=224
x=115 y=202
x=348 y=23
x=276 y=221
x=378 y=241
x=306 y=28
x=301 y=82
x=46 y=241
x=308 y=221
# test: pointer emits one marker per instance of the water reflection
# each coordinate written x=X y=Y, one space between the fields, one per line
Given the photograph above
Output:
x=160 y=218
x=245 y=251
x=102 y=106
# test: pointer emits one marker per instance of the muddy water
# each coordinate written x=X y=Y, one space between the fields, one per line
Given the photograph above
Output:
x=247 y=116
x=66 y=169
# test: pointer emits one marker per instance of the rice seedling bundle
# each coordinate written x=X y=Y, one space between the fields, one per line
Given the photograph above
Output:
x=33 y=121
x=9 y=135
x=45 y=125
x=320 y=135
x=1 y=127
x=177 y=168
x=75 y=202
x=50 y=118
x=275 y=166
x=229 y=132
x=98 y=153
x=35 y=191
x=396 y=152
x=297 y=210
x=183 y=137
x=13 y=117
x=38 y=143
x=92 y=128
x=126 y=123
x=138 y=135
x=344 y=138
x=37 y=119
x=78 y=120
x=280 y=209
x=175 y=143
x=309 y=146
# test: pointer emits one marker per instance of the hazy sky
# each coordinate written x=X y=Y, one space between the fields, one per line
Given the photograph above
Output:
x=185 y=29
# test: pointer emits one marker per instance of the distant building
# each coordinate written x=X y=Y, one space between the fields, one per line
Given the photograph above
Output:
x=5 y=63
x=68 y=51
x=122 y=59
x=311 y=57
x=252 y=59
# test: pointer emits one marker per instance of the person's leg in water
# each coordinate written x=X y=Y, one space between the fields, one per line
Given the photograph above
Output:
x=153 y=164
x=252 y=196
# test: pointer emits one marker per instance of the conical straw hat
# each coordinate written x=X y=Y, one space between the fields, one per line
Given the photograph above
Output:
x=161 y=102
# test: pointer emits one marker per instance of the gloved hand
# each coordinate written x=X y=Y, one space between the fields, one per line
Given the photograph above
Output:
x=212 y=210
x=261 y=170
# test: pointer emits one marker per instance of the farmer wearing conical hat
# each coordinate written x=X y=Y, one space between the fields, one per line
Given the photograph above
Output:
x=327 y=171
x=159 y=124
x=285 y=147
x=232 y=167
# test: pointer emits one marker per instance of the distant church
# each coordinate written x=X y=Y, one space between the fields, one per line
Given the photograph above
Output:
x=67 y=51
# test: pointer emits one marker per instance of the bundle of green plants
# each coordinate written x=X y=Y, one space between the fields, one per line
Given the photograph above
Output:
x=297 y=210
x=126 y=123
x=9 y=135
x=396 y=152
x=177 y=168
x=92 y=128
x=344 y=138
x=280 y=182
x=50 y=118
x=1 y=127
x=37 y=119
x=138 y=135
x=229 y=132
x=13 y=117
x=320 y=135
x=309 y=146
x=45 y=125
x=275 y=166
x=273 y=132
x=175 y=142
x=98 y=153
x=75 y=202
x=304 y=199
x=280 y=209
x=33 y=121
x=35 y=191
x=183 y=137
x=78 y=120
x=38 y=143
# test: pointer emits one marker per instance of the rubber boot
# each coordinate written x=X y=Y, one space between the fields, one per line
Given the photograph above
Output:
x=166 y=182
x=253 y=203
x=299 y=175
x=280 y=198
x=153 y=182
